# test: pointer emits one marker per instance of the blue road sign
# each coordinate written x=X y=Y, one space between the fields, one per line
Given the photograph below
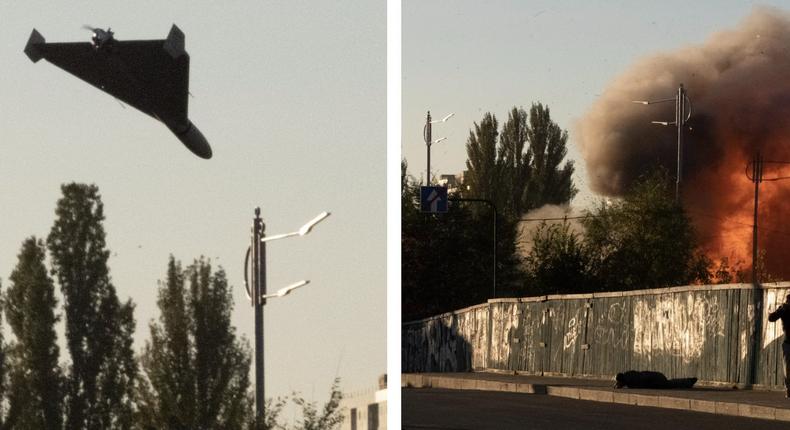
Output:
x=433 y=199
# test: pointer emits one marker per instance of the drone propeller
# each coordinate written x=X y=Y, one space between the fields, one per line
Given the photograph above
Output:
x=88 y=27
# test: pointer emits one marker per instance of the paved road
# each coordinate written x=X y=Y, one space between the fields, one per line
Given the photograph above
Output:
x=466 y=410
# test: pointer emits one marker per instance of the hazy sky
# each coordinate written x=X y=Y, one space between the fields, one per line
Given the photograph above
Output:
x=470 y=57
x=291 y=97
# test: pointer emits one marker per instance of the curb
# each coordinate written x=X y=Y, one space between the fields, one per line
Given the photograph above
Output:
x=667 y=402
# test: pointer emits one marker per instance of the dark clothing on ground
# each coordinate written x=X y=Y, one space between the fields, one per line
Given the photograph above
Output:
x=783 y=312
x=647 y=379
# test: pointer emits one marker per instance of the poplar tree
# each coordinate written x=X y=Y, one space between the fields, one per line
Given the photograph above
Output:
x=99 y=329
x=482 y=178
x=524 y=169
x=196 y=369
x=549 y=182
x=35 y=379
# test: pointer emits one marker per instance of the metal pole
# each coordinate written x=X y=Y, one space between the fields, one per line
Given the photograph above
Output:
x=258 y=289
x=680 y=119
x=757 y=295
x=757 y=172
x=427 y=136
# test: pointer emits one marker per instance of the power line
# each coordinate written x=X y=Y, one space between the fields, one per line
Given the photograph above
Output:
x=697 y=212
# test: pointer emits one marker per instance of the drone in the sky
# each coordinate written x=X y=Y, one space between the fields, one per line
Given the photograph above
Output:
x=150 y=75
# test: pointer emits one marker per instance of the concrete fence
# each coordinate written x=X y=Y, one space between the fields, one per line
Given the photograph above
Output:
x=709 y=332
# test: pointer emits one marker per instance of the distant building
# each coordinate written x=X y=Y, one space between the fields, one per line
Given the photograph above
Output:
x=452 y=182
x=366 y=409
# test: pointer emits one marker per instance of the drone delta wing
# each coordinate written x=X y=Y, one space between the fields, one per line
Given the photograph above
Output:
x=141 y=73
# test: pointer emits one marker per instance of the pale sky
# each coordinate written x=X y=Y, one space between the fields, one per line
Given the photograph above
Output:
x=470 y=57
x=291 y=97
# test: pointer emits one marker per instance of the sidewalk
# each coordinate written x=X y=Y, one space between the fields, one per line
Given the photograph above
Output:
x=769 y=405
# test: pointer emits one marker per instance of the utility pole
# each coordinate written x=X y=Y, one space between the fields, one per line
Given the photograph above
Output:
x=258 y=291
x=680 y=119
x=426 y=134
x=757 y=294
x=428 y=141
x=757 y=173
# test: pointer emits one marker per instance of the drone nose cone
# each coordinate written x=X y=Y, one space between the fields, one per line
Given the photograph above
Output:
x=194 y=140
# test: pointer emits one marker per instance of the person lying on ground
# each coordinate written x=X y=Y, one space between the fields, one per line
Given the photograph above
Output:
x=648 y=379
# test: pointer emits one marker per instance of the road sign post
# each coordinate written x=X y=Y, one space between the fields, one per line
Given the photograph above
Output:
x=433 y=199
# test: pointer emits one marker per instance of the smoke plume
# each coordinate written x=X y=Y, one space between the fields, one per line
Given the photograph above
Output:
x=739 y=84
x=552 y=214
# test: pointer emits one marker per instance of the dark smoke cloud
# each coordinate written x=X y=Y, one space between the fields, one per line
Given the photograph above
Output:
x=739 y=84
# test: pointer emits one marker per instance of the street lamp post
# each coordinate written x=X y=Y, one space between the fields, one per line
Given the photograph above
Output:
x=681 y=118
x=256 y=291
x=426 y=134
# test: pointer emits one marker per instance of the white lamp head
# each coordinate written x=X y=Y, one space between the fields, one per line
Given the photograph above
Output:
x=312 y=223
x=287 y=290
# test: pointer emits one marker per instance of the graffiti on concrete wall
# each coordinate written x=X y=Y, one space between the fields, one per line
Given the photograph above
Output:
x=677 y=324
x=695 y=328
x=504 y=321
x=612 y=328
x=454 y=342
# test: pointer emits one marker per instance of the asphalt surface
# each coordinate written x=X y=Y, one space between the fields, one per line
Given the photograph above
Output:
x=434 y=408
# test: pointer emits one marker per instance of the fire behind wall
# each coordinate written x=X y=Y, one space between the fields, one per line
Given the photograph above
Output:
x=739 y=85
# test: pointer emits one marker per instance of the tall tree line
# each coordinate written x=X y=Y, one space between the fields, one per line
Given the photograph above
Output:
x=459 y=258
x=520 y=168
x=193 y=373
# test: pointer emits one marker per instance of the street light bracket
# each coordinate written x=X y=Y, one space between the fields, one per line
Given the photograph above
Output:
x=286 y=290
x=443 y=119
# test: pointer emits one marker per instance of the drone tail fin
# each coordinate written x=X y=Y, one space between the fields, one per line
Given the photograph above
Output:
x=32 y=48
x=174 y=45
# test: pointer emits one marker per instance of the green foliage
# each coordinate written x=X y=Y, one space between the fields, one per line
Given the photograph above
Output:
x=644 y=240
x=516 y=163
x=548 y=183
x=272 y=409
x=447 y=259
x=522 y=171
x=484 y=168
x=558 y=261
x=196 y=370
x=330 y=416
x=99 y=329
x=35 y=379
